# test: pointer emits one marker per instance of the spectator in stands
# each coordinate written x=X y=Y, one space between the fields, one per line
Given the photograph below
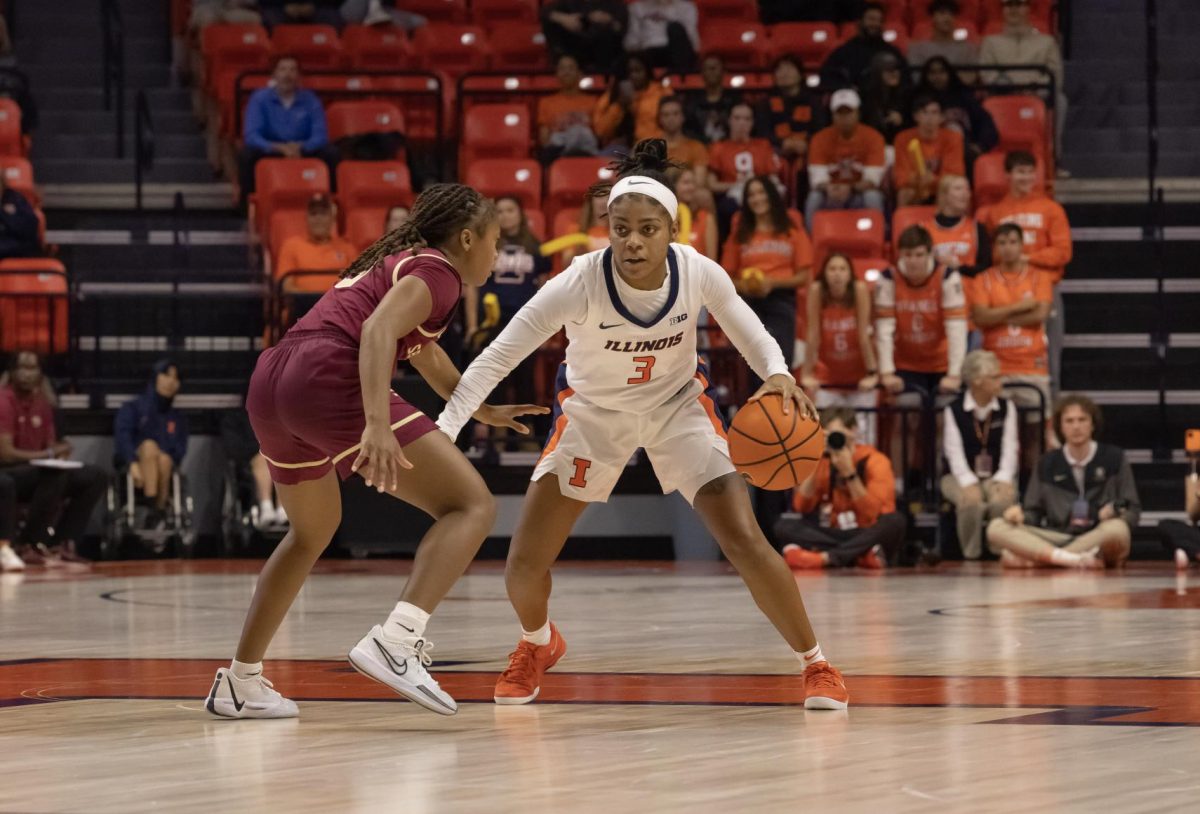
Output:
x=208 y=12
x=982 y=450
x=519 y=271
x=1047 y=235
x=840 y=366
x=319 y=250
x=1021 y=44
x=281 y=12
x=790 y=114
x=1081 y=502
x=960 y=108
x=848 y=63
x=1179 y=538
x=886 y=96
x=792 y=11
x=151 y=438
x=18 y=224
x=699 y=201
x=564 y=117
x=769 y=256
x=849 y=503
x=380 y=12
x=590 y=30
x=687 y=152
x=845 y=161
x=733 y=161
x=666 y=32
x=628 y=111
x=959 y=241
x=593 y=223
x=920 y=321
x=59 y=496
x=925 y=153
x=943 y=42
x=284 y=120
x=708 y=111
x=395 y=218
x=237 y=436
x=1010 y=303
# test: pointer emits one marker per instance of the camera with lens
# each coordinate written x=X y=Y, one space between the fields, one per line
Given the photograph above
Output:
x=835 y=440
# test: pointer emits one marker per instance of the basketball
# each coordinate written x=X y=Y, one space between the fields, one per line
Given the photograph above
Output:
x=773 y=450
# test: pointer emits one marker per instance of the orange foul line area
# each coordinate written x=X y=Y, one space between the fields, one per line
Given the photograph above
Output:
x=1058 y=700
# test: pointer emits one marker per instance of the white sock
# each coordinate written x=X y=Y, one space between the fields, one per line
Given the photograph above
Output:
x=266 y=508
x=1061 y=556
x=540 y=637
x=405 y=621
x=242 y=670
x=811 y=657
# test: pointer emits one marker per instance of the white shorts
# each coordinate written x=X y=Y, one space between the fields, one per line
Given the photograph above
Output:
x=589 y=445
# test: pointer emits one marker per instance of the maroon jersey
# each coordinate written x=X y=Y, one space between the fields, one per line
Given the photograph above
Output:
x=351 y=301
x=29 y=420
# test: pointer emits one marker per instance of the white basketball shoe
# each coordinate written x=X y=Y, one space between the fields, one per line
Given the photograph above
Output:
x=401 y=666
x=253 y=697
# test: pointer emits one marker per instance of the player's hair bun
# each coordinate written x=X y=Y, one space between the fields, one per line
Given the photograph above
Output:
x=649 y=157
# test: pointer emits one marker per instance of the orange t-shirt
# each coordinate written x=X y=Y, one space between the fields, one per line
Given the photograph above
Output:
x=739 y=160
x=921 y=312
x=301 y=254
x=943 y=156
x=607 y=116
x=846 y=157
x=688 y=152
x=563 y=110
x=839 y=359
x=1021 y=349
x=778 y=256
x=1044 y=223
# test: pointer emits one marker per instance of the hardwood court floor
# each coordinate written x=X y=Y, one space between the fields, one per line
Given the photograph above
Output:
x=972 y=691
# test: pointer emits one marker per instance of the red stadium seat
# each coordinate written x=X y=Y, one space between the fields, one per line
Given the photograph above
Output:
x=811 y=42
x=742 y=46
x=896 y=11
x=496 y=131
x=286 y=183
x=857 y=232
x=519 y=46
x=965 y=30
x=738 y=11
x=18 y=174
x=520 y=178
x=364 y=116
x=566 y=221
x=897 y=35
x=536 y=222
x=33 y=306
x=1021 y=121
x=284 y=223
x=375 y=48
x=373 y=185
x=488 y=13
x=906 y=216
x=438 y=11
x=315 y=47
x=11 y=143
x=869 y=269
x=568 y=182
x=230 y=48
x=453 y=49
x=991 y=181
x=365 y=226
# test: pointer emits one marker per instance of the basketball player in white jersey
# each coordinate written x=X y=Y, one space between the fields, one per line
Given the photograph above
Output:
x=632 y=378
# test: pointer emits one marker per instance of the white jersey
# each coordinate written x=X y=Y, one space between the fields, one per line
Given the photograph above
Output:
x=620 y=355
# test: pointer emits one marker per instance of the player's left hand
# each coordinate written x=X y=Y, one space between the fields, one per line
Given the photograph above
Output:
x=505 y=415
x=786 y=387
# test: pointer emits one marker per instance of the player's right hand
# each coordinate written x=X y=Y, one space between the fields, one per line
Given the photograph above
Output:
x=505 y=415
x=380 y=458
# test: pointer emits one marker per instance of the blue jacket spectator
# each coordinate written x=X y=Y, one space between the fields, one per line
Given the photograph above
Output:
x=18 y=225
x=153 y=417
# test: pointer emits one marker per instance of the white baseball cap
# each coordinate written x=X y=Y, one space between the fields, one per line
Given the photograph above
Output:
x=846 y=97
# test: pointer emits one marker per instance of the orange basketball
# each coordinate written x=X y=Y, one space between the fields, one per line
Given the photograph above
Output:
x=773 y=450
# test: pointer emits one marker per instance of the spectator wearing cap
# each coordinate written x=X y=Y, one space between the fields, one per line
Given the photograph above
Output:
x=318 y=250
x=284 y=120
x=943 y=41
x=845 y=161
x=925 y=153
x=151 y=437
x=849 y=61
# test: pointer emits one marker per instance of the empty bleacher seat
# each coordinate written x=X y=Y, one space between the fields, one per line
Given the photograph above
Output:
x=34 y=306
x=315 y=47
x=365 y=226
x=364 y=116
x=496 y=131
x=450 y=48
x=569 y=179
x=229 y=48
x=18 y=174
x=857 y=232
x=373 y=184
x=490 y=12
x=740 y=45
x=965 y=30
x=521 y=178
x=375 y=48
x=1021 y=122
x=286 y=183
x=284 y=223
x=811 y=42
x=518 y=46
x=744 y=11
x=438 y=11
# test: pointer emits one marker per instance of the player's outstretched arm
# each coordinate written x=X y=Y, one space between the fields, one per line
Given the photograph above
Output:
x=436 y=368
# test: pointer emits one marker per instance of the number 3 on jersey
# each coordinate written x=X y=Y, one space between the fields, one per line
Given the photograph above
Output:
x=645 y=364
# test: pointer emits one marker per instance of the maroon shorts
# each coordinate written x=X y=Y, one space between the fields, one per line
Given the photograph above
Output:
x=305 y=405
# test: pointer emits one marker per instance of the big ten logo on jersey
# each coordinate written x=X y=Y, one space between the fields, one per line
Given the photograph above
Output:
x=678 y=319
x=644 y=345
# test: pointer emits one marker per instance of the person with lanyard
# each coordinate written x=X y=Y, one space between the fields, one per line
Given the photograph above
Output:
x=981 y=447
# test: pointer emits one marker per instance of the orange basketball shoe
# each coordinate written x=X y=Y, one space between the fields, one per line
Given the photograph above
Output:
x=871 y=560
x=824 y=687
x=522 y=679
x=801 y=558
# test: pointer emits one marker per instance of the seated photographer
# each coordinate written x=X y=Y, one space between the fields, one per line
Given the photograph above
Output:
x=1081 y=502
x=849 y=504
x=1180 y=538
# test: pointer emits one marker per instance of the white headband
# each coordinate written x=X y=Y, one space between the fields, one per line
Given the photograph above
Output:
x=645 y=186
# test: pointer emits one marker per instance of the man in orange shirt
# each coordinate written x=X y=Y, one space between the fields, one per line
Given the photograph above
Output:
x=689 y=152
x=1010 y=303
x=940 y=150
x=564 y=118
x=845 y=161
x=739 y=158
x=1047 y=238
x=319 y=250
x=853 y=495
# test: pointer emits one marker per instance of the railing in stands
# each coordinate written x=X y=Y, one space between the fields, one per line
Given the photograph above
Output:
x=113 y=38
x=143 y=141
x=1156 y=215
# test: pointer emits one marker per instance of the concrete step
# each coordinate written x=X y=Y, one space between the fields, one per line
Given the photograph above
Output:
x=193 y=262
x=1138 y=313
x=92 y=98
x=1107 y=113
x=1133 y=368
x=58 y=145
x=1129 y=139
x=166 y=122
x=1133 y=426
x=52 y=49
x=52 y=18
x=69 y=74
x=1131 y=165
x=103 y=170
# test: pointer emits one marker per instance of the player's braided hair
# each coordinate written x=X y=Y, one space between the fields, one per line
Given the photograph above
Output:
x=438 y=214
x=649 y=158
